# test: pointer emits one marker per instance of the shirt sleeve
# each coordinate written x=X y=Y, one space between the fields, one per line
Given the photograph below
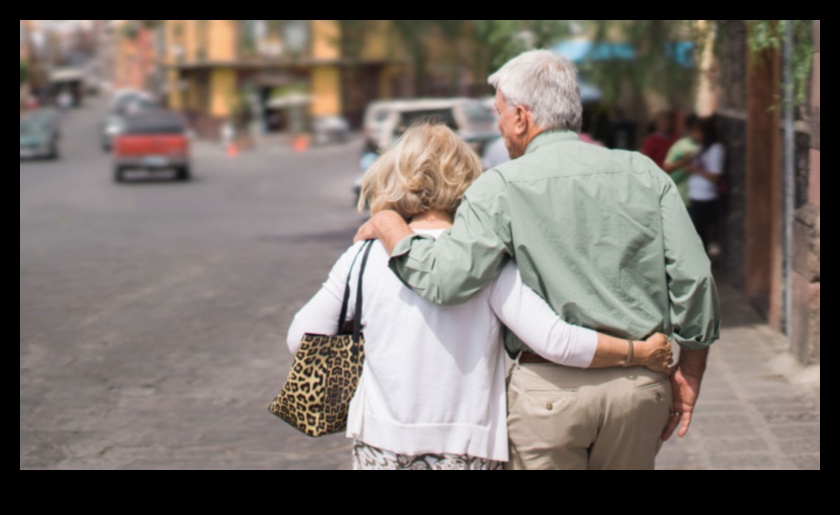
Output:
x=320 y=315
x=695 y=307
x=452 y=269
x=715 y=159
x=535 y=323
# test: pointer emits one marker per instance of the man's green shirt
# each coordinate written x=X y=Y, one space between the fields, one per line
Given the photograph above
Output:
x=602 y=235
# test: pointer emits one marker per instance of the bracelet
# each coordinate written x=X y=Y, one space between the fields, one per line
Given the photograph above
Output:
x=631 y=353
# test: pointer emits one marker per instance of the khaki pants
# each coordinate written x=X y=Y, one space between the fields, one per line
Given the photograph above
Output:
x=570 y=419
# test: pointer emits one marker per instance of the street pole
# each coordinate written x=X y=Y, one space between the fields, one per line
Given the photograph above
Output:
x=790 y=171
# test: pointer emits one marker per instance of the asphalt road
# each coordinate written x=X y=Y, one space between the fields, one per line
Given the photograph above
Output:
x=153 y=314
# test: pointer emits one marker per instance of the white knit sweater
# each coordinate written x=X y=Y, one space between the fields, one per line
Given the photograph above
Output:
x=434 y=378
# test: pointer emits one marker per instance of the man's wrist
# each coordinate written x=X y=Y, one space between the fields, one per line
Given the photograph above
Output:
x=694 y=362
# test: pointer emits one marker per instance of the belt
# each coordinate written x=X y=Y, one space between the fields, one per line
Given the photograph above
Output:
x=529 y=358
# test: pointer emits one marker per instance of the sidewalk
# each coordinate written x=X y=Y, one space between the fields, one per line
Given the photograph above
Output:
x=750 y=415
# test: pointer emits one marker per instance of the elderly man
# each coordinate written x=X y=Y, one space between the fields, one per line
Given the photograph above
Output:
x=605 y=238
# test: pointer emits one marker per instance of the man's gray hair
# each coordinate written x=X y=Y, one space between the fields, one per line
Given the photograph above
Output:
x=545 y=84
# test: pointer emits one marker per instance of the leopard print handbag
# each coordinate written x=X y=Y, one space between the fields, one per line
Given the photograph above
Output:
x=326 y=372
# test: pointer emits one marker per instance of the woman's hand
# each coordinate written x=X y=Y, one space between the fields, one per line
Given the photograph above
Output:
x=655 y=353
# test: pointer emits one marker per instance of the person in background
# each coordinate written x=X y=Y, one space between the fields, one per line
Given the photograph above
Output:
x=586 y=130
x=495 y=154
x=681 y=155
x=657 y=145
x=706 y=171
x=228 y=134
x=65 y=100
x=432 y=395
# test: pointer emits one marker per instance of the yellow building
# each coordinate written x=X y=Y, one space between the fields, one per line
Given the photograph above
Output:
x=276 y=73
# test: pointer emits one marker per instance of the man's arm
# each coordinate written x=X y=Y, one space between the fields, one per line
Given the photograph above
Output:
x=452 y=269
x=695 y=306
x=386 y=226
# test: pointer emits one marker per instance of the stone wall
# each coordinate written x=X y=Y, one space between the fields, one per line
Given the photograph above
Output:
x=805 y=325
x=732 y=102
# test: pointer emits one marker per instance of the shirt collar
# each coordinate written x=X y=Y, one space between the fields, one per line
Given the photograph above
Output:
x=551 y=137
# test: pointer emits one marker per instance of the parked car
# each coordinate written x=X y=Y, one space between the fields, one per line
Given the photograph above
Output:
x=128 y=101
x=471 y=119
x=330 y=129
x=39 y=136
x=152 y=141
x=376 y=115
x=110 y=129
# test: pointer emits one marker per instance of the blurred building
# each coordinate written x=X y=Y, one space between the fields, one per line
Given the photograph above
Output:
x=753 y=226
x=25 y=29
x=25 y=62
x=271 y=75
x=134 y=60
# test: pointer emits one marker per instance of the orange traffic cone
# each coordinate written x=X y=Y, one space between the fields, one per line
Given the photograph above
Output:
x=232 y=150
x=301 y=144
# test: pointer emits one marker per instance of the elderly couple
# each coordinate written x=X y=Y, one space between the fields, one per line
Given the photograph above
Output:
x=581 y=261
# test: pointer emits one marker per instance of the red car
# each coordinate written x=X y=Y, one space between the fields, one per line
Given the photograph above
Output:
x=152 y=141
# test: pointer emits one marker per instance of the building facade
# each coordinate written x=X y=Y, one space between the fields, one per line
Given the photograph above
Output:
x=270 y=75
x=134 y=54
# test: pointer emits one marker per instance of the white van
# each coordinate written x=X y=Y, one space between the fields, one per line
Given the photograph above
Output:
x=471 y=119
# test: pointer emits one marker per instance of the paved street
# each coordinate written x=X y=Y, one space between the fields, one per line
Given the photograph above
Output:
x=153 y=318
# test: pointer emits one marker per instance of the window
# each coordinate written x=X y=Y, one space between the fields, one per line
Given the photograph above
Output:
x=478 y=113
x=296 y=36
x=203 y=36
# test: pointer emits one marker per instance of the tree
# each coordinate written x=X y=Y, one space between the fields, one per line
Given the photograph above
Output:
x=414 y=34
x=769 y=34
x=498 y=41
x=655 y=67
x=492 y=41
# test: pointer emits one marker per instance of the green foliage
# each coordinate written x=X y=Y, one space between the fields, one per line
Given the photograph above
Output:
x=501 y=40
x=769 y=35
x=291 y=89
x=131 y=29
x=653 y=69
x=24 y=72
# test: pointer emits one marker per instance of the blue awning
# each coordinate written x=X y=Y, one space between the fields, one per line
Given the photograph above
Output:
x=582 y=51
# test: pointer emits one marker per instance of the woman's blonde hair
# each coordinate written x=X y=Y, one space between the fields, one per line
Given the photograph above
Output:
x=429 y=168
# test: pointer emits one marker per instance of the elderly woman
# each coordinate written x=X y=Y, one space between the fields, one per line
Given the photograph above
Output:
x=432 y=395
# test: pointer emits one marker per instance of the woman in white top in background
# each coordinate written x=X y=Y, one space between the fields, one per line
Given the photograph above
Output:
x=706 y=172
x=432 y=395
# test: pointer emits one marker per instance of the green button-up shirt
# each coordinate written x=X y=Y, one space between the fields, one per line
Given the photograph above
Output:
x=602 y=235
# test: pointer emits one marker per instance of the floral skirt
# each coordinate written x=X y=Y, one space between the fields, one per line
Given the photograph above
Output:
x=366 y=457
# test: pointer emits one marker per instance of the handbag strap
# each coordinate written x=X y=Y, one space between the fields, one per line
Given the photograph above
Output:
x=357 y=316
x=345 y=305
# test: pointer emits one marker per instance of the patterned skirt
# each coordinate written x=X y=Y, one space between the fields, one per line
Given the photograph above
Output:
x=366 y=457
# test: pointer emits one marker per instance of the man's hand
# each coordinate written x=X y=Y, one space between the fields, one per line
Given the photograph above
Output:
x=686 y=383
x=366 y=232
x=386 y=226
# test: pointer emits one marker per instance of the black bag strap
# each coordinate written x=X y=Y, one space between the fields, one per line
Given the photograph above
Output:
x=357 y=316
x=345 y=305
